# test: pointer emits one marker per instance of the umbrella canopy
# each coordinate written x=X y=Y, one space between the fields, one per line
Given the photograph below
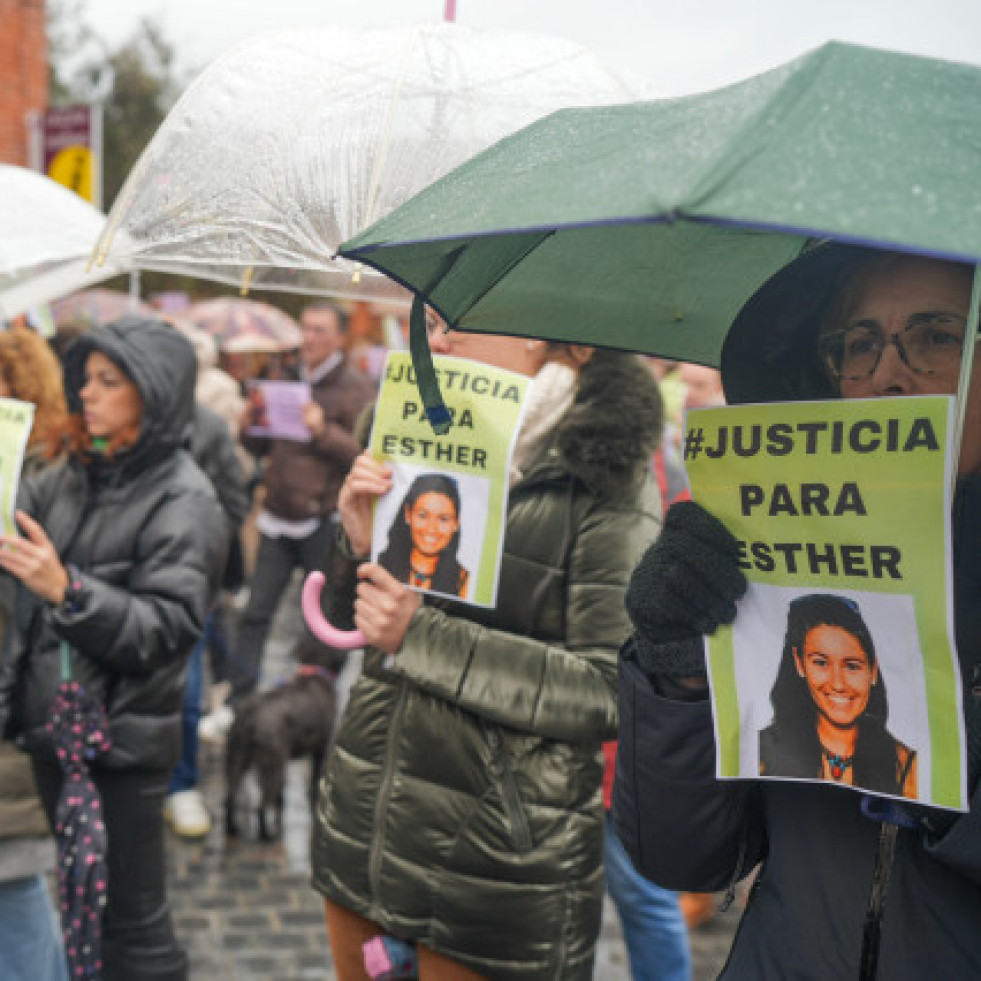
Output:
x=648 y=226
x=293 y=142
x=243 y=326
x=86 y=309
x=46 y=237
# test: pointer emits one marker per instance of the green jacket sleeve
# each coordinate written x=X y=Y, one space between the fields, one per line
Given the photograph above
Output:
x=556 y=690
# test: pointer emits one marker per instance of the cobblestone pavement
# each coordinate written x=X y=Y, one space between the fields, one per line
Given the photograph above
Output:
x=245 y=910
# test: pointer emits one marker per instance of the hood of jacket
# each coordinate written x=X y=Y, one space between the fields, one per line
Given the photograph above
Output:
x=614 y=425
x=162 y=365
x=770 y=353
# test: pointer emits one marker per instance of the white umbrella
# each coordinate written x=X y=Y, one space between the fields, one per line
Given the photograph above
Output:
x=46 y=235
x=290 y=144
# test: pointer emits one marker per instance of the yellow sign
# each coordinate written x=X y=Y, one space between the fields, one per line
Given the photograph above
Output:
x=841 y=511
x=73 y=168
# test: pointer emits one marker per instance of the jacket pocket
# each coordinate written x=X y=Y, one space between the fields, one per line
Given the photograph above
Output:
x=500 y=769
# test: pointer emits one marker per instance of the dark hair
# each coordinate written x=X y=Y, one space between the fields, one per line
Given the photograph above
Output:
x=343 y=317
x=793 y=733
x=398 y=551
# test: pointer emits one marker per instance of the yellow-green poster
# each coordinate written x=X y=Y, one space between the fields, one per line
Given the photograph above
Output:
x=16 y=419
x=840 y=665
x=441 y=527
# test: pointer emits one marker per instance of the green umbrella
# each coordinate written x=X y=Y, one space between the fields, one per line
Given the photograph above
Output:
x=647 y=226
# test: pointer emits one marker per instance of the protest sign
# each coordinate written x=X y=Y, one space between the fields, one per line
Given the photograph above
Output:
x=841 y=663
x=16 y=419
x=441 y=527
x=276 y=409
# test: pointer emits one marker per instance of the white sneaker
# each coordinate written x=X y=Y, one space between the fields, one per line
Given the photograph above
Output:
x=186 y=814
x=214 y=727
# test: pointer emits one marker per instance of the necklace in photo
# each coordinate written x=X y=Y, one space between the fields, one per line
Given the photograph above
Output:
x=837 y=765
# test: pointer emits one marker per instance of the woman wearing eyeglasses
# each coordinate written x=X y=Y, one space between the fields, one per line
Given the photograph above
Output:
x=852 y=886
x=830 y=706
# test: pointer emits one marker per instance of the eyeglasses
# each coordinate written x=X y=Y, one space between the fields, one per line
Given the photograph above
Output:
x=929 y=343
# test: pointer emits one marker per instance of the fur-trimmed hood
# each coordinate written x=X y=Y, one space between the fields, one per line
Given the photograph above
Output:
x=614 y=425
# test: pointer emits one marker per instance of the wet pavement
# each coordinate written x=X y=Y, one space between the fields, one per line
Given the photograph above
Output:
x=245 y=909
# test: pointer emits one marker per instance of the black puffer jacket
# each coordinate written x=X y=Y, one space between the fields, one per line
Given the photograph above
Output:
x=147 y=534
x=820 y=900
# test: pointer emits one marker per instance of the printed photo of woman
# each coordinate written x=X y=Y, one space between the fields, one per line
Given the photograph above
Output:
x=830 y=706
x=425 y=536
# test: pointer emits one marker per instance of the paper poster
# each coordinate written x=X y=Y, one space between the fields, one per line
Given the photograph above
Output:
x=16 y=419
x=275 y=408
x=841 y=664
x=441 y=528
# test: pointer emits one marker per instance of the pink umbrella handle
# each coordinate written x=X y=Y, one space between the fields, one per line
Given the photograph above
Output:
x=320 y=626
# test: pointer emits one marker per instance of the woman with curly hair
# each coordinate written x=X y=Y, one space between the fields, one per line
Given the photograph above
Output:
x=29 y=371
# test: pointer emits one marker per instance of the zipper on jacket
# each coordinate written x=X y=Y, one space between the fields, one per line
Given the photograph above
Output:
x=871 y=935
x=730 y=895
x=385 y=788
x=500 y=768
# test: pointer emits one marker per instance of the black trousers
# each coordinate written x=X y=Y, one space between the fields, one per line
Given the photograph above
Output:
x=275 y=562
x=138 y=942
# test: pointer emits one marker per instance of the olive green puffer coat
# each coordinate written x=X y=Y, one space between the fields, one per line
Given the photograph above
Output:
x=461 y=804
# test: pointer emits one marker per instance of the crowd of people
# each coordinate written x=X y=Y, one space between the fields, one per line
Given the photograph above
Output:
x=494 y=769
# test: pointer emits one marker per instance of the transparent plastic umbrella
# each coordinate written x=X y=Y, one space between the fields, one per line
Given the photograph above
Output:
x=46 y=236
x=293 y=142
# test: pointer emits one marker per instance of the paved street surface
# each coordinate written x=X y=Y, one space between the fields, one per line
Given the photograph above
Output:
x=245 y=910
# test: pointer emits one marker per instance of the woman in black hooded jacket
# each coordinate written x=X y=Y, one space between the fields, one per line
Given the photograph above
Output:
x=850 y=886
x=121 y=556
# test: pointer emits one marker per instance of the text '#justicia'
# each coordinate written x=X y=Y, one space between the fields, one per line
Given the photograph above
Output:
x=783 y=438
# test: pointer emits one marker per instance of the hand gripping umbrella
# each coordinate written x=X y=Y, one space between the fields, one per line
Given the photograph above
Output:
x=81 y=733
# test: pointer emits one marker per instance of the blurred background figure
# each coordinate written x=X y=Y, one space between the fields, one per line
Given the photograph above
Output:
x=300 y=482
x=654 y=928
x=214 y=451
x=30 y=939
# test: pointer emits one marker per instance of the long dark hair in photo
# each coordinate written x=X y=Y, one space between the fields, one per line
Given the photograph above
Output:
x=396 y=557
x=793 y=747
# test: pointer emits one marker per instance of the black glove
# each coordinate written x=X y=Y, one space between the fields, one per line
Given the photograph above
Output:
x=686 y=585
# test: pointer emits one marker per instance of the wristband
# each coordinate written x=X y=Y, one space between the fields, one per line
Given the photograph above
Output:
x=72 y=600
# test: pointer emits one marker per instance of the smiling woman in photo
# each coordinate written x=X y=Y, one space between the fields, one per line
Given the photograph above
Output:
x=829 y=704
x=425 y=535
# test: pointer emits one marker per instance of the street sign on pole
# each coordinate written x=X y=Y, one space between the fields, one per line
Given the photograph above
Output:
x=66 y=145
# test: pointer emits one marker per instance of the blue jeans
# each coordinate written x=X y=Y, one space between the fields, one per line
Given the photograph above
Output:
x=653 y=927
x=30 y=937
x=185 y=775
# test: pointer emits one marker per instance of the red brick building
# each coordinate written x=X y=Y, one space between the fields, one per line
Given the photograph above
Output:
x=23 y=73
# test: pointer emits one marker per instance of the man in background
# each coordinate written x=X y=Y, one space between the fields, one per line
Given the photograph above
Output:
x=301 y=481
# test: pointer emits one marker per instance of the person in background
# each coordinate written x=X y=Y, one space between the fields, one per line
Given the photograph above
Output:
x=121 y=555
x=654 y=928
x=301 y=482
x=30 y=940
x=461 y=806
x=214 y=451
